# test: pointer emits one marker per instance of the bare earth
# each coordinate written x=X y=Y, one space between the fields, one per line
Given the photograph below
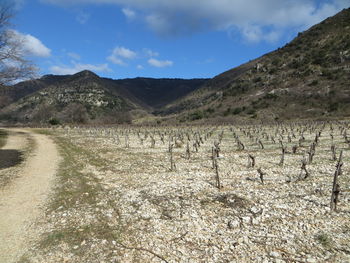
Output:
x=22 y=199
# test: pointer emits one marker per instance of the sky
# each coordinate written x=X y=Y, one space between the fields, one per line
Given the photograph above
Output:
x=159 y=38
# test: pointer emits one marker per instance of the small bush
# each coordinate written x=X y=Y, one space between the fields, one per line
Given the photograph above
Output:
x=237 y=111
x=257 y=79
x=270 y=96
x=333 y=106
x=251 y=112
x=272 y=71
x=197 y=115
x=54 y=121
x=227 y=112
x=210 y=110
x=323 y=239
x=314 y=83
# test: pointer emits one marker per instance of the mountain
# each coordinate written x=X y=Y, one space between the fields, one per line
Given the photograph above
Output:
x=307 y=78
x=85 y=97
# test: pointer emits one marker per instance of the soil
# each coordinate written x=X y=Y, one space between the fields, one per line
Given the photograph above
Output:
x=22 y=200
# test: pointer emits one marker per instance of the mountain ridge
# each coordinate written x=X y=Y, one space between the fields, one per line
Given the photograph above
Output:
x=308 y=78
x=96 y=99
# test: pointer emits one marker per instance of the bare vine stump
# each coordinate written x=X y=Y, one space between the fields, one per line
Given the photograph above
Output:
x=251 y=161
x=334 y=155
x=336 y=187
x=261 y=175
x=282 y=155
x=303 y=170
x=188 y=151
x=217 y=177
x=172 y=163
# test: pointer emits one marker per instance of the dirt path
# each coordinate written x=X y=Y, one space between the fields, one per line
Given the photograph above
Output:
x=21 y=201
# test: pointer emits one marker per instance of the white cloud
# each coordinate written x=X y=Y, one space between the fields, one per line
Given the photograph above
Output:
x=74 y=55
x=83 y=18
x=139 y=67
x=160 y=63
x=77 y=67
x=116 y=60
x=252 y=18
x=120 y=53
x=124 y=53
x=252 y=33
x=150 y=53
x=30 y=45
x=129 y=13
x=159 y=23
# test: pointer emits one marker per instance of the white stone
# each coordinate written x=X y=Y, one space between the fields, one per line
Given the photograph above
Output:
x=255 y=209
x=311 y=260
x=246 y=219
x=275 y=254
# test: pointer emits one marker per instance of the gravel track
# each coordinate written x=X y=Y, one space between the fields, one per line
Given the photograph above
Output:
x=22 y=200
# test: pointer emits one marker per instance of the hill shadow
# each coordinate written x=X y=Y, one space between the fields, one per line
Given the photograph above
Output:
x=9 y=158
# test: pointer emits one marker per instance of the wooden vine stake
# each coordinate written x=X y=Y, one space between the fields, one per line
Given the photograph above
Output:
x=336 y=187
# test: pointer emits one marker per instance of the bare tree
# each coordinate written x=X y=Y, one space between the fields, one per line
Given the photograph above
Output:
x=13 y=65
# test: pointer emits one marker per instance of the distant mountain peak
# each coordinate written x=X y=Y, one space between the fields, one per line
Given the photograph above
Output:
x=85 y=73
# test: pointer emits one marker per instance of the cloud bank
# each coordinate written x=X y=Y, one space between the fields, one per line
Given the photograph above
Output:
x=30 y=45
x=252 y=18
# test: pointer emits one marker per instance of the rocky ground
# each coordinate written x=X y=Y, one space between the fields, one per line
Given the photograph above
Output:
x=118 y=199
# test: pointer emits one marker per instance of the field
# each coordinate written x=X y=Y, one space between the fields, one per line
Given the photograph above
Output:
x=193 y=194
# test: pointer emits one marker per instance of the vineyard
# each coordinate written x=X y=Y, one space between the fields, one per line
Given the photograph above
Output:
x=258 y=193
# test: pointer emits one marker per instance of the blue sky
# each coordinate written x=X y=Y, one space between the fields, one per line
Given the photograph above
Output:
x=160 y=38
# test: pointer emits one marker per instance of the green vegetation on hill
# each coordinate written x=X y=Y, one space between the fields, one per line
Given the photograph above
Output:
x=307 y=78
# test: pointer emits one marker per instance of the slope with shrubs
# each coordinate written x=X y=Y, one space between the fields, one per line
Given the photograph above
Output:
x=309 y=77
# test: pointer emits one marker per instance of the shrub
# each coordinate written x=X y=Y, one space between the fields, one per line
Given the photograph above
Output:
x=237 y=111
x=257 y=79
x=227 y=111
x=54 y=121
x=251 y=111
x=272 y=71
x=197 y=115
x=333 y=106
x=323 y=239
x=270 y=96
x=210 y=110
x=314 y=83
